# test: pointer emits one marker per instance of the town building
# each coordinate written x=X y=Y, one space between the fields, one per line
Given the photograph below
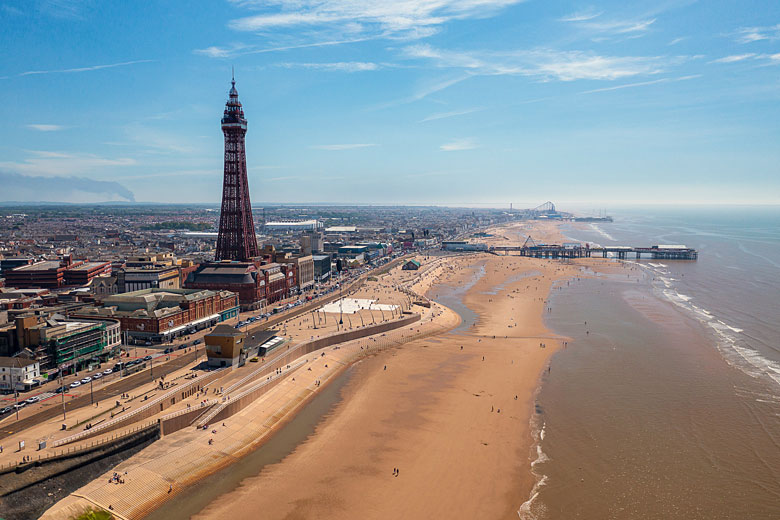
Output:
x=83 y=273
x=17 y=373
x=159 y=315
x=322 y=267
x=463 y=246
x=242 y=278
x=48 y=274
x=291 y=226
x=53 y=274
x=304 y=271
x=411 y=265
x=148 y=276
x=224 y=346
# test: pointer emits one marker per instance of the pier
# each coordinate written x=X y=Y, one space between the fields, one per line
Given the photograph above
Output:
x=577 y=250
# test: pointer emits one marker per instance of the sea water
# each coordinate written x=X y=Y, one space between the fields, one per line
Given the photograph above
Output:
x=666 y=402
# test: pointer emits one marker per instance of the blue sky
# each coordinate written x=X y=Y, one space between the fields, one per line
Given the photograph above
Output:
x=380 y=101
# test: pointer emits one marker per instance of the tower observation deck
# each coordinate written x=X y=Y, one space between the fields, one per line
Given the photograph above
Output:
x=236 y=239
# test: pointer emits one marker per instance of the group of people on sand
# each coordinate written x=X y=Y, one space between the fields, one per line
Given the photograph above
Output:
x=116 y=478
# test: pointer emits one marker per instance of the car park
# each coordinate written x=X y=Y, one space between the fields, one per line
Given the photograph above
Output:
x=74 y=384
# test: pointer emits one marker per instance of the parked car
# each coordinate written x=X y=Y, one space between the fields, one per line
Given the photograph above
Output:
x=32 y=400
x=196 y=342
x=97 y=376
x=20 y=405
x=147 y=358
x=108 y=371
x=86 y=380
x=74 y=384
x=6 y=410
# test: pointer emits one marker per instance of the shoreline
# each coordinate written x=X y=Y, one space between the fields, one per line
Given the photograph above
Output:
x=185 y=458
x=296 y=471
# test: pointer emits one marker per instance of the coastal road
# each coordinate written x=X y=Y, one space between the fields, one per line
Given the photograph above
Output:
x=126 y=384
x=129 y=383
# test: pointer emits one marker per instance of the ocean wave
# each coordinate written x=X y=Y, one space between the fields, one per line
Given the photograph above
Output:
x=730 y=342
x=530 y=510
x=603 y=233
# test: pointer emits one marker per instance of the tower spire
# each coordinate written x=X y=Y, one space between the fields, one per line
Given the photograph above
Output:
x=236 y=239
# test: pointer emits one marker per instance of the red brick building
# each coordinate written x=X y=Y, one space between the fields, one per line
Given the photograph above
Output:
x=84 y=273
x=161 y=314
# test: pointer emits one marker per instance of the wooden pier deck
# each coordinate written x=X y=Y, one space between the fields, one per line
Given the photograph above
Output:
x=661 y=252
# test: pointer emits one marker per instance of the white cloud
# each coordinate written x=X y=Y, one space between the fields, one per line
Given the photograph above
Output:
x=45 y=128
x=584 y=20
x=619 y=26
x=341 y=66
x=543 y=63
x=734 y=58
x=458 y=145
x=755 y=34
x=241 y=49
x=677 y=40
x=581 y=16
x=337 y=147
x=391 y=19
x=446 y=115
x=46 y=163
x=84 y=69
x=218 y=52
x=641 y=84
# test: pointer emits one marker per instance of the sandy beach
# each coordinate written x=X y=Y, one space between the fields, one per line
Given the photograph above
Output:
x=451 y=413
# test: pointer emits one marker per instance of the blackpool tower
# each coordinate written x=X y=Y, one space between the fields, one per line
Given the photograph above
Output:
x=236 y=240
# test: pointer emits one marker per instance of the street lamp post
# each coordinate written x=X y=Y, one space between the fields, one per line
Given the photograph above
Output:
x=16 y=390
x=91 y=395
x=62 y=392
x=341 y=307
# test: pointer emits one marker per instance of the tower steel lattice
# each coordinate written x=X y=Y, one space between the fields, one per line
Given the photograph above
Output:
x=236 y=240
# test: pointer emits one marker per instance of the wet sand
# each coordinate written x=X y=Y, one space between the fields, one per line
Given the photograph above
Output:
x=455 y=422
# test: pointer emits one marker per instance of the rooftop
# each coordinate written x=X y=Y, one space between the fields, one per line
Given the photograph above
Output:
x=39 y=266
x=16 y=362
x=86 y=266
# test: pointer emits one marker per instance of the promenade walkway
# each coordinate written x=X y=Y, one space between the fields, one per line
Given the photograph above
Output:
x=170 y=464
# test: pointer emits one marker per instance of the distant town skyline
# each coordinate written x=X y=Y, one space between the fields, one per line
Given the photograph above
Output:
x=435 y=101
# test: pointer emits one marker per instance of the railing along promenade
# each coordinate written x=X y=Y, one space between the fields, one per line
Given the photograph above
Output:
x=143 y=408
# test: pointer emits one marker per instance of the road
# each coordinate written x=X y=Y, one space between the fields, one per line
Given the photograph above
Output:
x=126 y=384
x=9 y=425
